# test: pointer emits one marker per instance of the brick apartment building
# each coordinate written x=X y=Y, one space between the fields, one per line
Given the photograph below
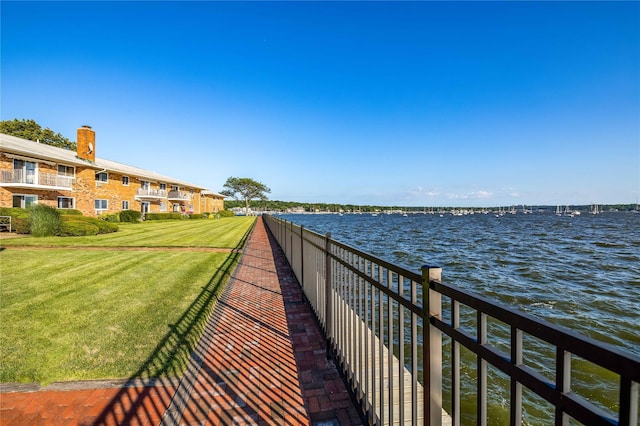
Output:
x=32 y=172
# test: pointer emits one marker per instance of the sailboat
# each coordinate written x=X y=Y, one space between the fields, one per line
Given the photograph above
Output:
x=567 y=212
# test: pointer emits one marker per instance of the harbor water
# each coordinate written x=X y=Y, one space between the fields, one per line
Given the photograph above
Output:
x=580 y=272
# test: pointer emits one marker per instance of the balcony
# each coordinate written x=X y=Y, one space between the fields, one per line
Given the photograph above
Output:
x=145 y=194
x=180 y=196
x=35 y=180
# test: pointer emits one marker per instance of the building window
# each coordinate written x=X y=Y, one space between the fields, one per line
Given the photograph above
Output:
x=101 y=205
x=125 y=180
x=144 y=184
x=163 y=206
x=163 y=186
x=25 y=171
x=68 y=171
x=66 y=203
x=102 y=177
x=191 y=191
x=176 y=207
x=175 y=188
x=125 y=205
x=24 y=201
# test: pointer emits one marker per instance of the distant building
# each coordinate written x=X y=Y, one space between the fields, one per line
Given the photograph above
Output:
x=32 y=172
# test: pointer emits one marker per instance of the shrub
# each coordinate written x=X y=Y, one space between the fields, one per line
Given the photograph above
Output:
x=19 y=219
x=110 y=217
x=44 y=220
x=197 y=216
x=14 y=212
x=225 y=213
x=81 y=225
x=163 y=216
x=130 y=216
x=20 y=226
x=71 y=227
x=72 y=212
x=104 y=227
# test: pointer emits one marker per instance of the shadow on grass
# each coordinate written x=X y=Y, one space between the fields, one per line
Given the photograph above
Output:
x=149 y=391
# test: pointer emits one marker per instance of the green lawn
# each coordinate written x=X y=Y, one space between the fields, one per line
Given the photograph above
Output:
x=69 y=314
x=222 y=233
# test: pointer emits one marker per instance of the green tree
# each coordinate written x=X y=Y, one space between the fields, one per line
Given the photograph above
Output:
x=30 y=130
x=245 y=189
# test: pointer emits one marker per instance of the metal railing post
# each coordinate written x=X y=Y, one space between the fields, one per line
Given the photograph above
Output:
x=301 y=256
x=432 y=348
x=327 y=297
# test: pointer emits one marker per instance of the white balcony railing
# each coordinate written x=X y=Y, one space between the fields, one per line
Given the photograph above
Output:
x=147 y=193
x=180 y=195
x=18 y=178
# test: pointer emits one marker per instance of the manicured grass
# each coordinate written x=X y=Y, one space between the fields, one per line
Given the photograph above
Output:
x=71 y=314
x=222 y=233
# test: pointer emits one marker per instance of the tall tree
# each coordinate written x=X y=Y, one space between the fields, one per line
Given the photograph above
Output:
x=245 y=189
x=30 y=130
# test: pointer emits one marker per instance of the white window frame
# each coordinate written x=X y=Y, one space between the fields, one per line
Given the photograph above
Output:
x=23 y=202
x=163 y=206
x=125 y=178
x=66 y=171
x=101 y=209
x=175 y=188
x=163 y=186
x=27 y=177
x=145 y=184
x=73 y=202
x=106 y=179
x=125 y=204
x=176 y=207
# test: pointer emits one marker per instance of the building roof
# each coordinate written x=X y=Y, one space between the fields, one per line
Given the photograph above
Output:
x=41 y=151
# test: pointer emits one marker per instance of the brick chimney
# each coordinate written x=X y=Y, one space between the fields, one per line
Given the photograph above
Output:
x=86 y=145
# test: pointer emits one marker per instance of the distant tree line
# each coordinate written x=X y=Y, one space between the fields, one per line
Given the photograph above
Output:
x=284 y=206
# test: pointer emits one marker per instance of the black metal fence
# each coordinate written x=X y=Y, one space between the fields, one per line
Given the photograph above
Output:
x=373 y=314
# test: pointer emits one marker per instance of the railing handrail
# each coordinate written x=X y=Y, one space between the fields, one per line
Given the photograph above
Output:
x=37 y=178
x=604 y=354
x=151 y=192
x=182 y=195
x=347 y=269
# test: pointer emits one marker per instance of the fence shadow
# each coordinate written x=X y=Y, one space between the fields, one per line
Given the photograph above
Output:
x=144 y=398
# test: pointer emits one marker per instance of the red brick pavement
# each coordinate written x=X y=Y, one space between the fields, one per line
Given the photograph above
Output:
x=261 y=361
x=65 y=404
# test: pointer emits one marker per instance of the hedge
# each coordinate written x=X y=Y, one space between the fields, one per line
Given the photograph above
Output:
x=72 y=212
x=225 y=213
x=14 y=212
x=81 y=225
x=77 y=228
x=163 y=216
x=19 y=219
x=110 y=217
x=130 y=216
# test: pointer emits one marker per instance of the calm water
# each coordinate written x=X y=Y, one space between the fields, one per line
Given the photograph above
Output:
x=581 y=272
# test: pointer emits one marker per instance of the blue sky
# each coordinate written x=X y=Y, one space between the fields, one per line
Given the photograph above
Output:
x=411 y=104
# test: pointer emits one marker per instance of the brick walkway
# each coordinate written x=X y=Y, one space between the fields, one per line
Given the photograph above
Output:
x=261 y=361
